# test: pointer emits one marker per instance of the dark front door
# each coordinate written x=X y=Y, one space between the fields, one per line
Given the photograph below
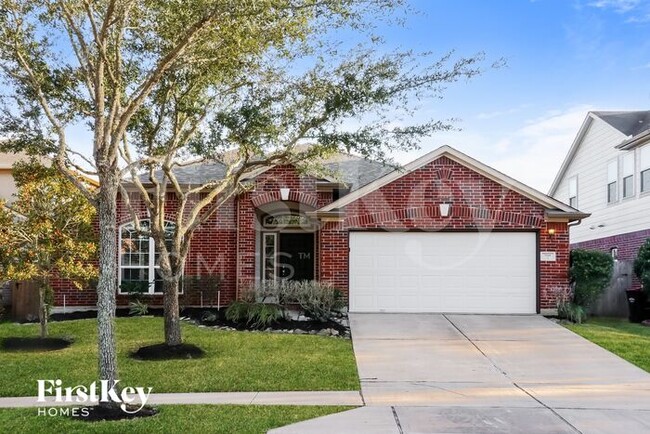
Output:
x=296 y=256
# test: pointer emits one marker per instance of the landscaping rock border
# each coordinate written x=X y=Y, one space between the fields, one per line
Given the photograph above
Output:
x=337 y=327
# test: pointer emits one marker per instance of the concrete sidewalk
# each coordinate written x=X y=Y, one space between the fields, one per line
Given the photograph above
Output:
x=335 y=398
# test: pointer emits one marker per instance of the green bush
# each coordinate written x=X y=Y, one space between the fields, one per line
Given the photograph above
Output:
x=138 y=308
x=590 y=272
x=254 y=314
x=642 y=265
x=572 y=312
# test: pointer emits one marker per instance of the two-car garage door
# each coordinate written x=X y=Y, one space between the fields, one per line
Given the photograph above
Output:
x=468 y=272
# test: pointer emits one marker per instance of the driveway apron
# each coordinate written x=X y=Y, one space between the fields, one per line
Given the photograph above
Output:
x=435 y=373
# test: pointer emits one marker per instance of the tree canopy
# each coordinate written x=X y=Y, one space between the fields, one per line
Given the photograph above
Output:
x=47 y=232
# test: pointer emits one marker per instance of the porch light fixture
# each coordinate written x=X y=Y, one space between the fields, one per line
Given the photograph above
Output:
x=551 y=231
x=284 y=193
x=444 y=209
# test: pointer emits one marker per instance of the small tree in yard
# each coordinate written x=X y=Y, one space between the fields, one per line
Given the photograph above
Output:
x=46 y=232
x=642 y=265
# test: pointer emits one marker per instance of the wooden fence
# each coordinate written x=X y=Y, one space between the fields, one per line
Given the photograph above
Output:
x=613 y=302
x=24 y=305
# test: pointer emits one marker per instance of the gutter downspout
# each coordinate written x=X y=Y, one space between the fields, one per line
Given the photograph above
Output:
x=574 y=223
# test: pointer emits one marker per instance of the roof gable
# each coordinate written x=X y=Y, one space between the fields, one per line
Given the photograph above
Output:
x=579 y=139
x=465 y=160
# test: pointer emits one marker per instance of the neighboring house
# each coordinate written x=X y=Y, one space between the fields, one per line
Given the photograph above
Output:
x=444 y=234
x=7 y=189
x=7 y=185
x=607 y=173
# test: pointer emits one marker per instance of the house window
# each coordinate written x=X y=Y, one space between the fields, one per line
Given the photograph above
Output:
x=573 y=191
x=645 y=168
x=139 y=260
x=612 y=184
x=269 y=247
x=628 y=175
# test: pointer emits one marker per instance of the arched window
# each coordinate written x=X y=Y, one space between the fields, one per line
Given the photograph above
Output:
x=139 y=260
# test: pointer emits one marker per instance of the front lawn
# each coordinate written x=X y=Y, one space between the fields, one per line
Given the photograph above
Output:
x=234 y=361
x=225 y=419
x=627 y=340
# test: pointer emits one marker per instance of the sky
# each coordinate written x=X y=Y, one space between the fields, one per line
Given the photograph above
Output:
x=564 y=58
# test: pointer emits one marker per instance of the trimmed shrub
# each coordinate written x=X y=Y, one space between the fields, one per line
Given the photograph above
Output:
x=642 y=265
x=591 y=271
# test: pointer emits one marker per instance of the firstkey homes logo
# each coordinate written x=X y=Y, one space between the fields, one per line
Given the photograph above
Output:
x=130 y=399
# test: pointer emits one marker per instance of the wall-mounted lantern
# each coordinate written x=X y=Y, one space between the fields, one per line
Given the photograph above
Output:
x=284 y=193
x=444 y=209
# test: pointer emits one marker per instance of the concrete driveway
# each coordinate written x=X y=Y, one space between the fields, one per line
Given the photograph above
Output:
x=430 y=373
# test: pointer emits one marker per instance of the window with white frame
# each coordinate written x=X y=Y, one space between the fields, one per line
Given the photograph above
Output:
x=612 y=181
x=645 y=168
x=573 y=191
x=628 y=175
x=139 y=260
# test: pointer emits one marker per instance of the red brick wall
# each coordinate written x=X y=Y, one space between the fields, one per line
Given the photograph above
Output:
x=411 y=202
x=211 y=252
x=628 y=246
x=226 y=244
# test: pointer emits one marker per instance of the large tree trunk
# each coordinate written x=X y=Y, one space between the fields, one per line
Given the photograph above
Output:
x=42 y=310
x=107 y=283
x=171 y=307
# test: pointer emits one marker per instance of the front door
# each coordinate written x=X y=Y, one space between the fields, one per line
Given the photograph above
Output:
x=295 y=256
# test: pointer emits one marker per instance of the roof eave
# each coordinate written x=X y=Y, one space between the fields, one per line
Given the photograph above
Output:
x=568 y=215
x=633 y=142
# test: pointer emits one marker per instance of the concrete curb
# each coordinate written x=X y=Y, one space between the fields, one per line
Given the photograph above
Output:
x=333 y=398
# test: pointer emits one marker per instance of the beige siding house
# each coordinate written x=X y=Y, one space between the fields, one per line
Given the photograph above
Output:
x=7 y=186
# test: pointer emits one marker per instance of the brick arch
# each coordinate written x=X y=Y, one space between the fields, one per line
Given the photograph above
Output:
x=127 y=218
x=294 y=196
x=432 y=212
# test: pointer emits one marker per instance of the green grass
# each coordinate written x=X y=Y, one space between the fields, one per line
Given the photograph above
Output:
x=225 y=419
x=234 y=361
x=627 y=340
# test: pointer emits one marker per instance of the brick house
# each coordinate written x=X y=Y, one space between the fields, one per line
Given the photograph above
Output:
x=445 y=233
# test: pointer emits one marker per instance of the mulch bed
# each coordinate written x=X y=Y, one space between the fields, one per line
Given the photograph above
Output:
x=98 y=413
x=198 y=315
x=285 y=324
x=35 y=344
x=167 y=352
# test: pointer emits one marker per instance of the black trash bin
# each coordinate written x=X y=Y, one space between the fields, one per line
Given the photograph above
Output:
x=636 y=301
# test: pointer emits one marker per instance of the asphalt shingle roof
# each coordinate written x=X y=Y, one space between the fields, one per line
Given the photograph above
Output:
x=629 y=123
x=354 y=171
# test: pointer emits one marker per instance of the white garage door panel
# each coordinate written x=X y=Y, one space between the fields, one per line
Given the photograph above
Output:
x=469 y=272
